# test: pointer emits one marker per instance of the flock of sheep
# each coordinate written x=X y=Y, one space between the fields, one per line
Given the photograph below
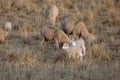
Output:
x=75 y=46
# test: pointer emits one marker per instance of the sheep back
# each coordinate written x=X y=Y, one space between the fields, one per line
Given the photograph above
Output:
x=67 y=24
x=61 y=37
x=47 y=32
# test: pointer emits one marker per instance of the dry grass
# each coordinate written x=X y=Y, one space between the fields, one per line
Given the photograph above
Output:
x=23 y=58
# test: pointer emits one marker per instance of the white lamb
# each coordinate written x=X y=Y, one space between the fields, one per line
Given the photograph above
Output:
x=77 y=49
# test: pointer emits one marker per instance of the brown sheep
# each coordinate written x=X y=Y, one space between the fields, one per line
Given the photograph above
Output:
x=5 y=31
x=80 y=28
x=52 y=13
x=50 y=33
x=72 y=26
x=3 y=34
x=67 y=24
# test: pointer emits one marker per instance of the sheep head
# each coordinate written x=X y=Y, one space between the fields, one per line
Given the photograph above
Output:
x=65 y=46
x=7 y=26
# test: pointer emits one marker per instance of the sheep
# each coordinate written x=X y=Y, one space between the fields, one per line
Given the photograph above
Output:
x=76 y=28
x=7 y=26
x=67 y=24
x=52 y=13
x=77 y=49
x=5 y=31
x=80 y=29
x=50 y=33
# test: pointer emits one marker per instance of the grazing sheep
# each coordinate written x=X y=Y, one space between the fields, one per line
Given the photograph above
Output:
x=67 y=24
x=77 y=49
x=52 y=13
x=51 y=33
x=5 y=30
x=7 y=26
x=80 y=29
x=76 y=28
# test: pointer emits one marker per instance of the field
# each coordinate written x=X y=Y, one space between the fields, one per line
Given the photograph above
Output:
x=22 y=57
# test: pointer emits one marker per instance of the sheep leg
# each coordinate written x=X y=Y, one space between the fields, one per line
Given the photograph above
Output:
x=56 y=44
x=83 y=50
x=71 y=55
x=43 y=40
x=81 y=58
x=80 y=55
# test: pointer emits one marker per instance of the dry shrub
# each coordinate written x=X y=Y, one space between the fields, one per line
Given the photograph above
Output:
x=19 y=4
x=63 y=10
x=27 y=27
x=25 y=5
x=68 y=4
x=67 y=8
x=112 y=17
x=99 y=51
x=39 y=21
x=115 y=40
x=90 y=16
x=109 y=4
x=26 y=57
x=116 y=22
x=6 y=4
x=27 y=37
x=10 y=57
x=112 y=31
